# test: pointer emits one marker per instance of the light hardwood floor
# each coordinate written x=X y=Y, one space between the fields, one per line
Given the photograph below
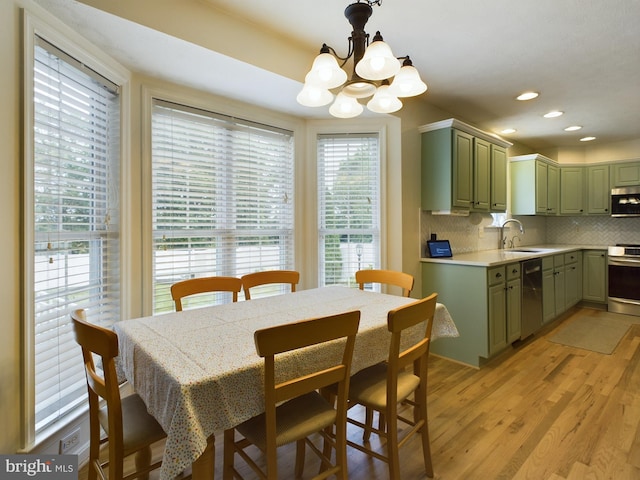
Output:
x=540 y=411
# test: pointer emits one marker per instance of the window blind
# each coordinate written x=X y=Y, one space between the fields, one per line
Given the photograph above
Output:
x=222 y=198
x=76 y=222
x=348 y=206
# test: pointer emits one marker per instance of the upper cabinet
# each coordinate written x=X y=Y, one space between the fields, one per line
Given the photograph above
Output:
x=535 y=185
x=599 y=193
x=463 y=168
x=540 y=186
x=572 y=190
x=625 y=174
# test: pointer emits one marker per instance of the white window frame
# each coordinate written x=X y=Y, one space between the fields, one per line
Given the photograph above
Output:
x=388 y=129
x=223 y=107
x=55 y=32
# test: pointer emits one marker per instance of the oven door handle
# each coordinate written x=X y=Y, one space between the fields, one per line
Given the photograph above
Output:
x=624 y=261
x=624 y=301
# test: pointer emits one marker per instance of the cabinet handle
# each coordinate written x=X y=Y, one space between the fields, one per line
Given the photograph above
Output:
x=498 y=275
x=515 y=270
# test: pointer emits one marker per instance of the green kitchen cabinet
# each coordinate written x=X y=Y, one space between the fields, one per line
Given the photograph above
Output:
x=498 y=178
x=598 y=190
x=505 y=303
x=572 y=190
x=548 y=290
x=626 y=174
x=513 y=302
x=458 y=168
x=481 y=175
x=535 y=185
x=487 y=318
x=594 y=276
x=573 y=278
x=497 y=319
x=559 y=284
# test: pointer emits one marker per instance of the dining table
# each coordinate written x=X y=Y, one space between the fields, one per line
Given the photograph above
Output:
x=199 y=374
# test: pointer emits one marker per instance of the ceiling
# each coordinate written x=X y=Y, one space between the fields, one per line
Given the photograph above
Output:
x=476 y=57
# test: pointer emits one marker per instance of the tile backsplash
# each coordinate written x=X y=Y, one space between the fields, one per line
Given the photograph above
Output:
x=478 y=232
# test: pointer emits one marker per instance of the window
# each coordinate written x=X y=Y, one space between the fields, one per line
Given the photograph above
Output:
x=348 y=206
x=222 y=197
x=75 y=256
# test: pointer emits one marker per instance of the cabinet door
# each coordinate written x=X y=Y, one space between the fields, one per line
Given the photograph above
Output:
x=553 y=189
x=594 y=276
x=514 y=310
x=548 y=296
x=559 y=290
x=462 y=164
x=498 y=179
x=541 y=188
x=598 y=191
x=481 y=175
x=626 y=174
x=571 y=285
x=497 y=318
x=571 y=190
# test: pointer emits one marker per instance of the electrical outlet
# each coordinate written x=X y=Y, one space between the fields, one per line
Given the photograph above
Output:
x=70 y=441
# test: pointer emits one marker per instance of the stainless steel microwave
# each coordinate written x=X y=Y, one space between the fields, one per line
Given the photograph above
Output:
x=625 y=202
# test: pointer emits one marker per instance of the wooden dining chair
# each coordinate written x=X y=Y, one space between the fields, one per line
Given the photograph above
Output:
x=387 y=277
x=194 y=286
x=129 y=428
x=256 y=279
x=293 y=407
x=384 y=386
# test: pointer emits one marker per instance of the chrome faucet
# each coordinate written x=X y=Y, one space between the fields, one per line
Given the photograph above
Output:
x=503 y=239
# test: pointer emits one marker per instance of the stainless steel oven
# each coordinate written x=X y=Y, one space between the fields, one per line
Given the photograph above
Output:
x=624 y=279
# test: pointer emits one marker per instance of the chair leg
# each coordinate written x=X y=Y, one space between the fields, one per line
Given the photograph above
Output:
x=368 y=421
x=142 y=461
x=228 y=454
x=300 y=453
x=393 y=455
x=421 y=411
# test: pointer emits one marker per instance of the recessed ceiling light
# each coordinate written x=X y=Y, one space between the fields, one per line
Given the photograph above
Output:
x=555 y=113
x=527 y=95
x=508 y=130
x=573 y=128
x=587 y=139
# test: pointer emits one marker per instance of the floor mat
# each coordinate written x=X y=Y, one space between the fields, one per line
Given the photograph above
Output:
x=598 y=334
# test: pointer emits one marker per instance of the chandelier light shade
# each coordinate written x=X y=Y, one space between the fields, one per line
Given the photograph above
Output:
x=312 y=96
x=325 y=72
x=374 y=67
x=407 y=82
x=345 y=106
x=378 y=62
x=384 y=101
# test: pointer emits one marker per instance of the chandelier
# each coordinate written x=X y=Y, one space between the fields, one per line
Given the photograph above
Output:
x=374 y=66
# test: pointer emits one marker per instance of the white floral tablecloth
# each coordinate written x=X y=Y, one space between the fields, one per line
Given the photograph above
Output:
x=198 y=371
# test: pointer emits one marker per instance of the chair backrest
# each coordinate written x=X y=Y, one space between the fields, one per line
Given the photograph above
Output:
x=292 y=336
x=388 y=277
x=193 y=286
x=417 y=354
x=255 y=279
x=100 y=341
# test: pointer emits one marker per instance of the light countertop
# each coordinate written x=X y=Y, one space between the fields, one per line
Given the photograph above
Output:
x=490 y=258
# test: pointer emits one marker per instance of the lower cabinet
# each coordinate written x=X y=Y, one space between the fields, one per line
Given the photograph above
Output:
x=573 y=278
x=485 y=304
x=561 y=284
x=594 y=276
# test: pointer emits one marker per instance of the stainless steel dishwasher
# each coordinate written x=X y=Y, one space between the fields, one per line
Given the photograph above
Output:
x=531 y=297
